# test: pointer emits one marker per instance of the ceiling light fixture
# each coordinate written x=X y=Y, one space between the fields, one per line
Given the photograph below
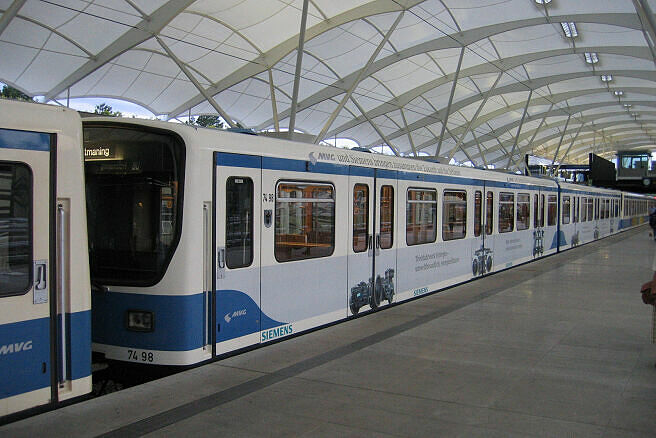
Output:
x=591 y=57
x=570 y=29
x=606 y=78
x=618 y=93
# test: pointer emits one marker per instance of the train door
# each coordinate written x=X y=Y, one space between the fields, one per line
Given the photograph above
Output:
x=482 y=252
x=32 y=337
x=361 y=243
x=384 y=245
x=237 y=197
x=372 y=250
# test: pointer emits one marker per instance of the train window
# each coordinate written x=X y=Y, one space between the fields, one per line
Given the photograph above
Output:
x=590 y=209
x=536 y=209
x=552 y=210
x=523 y=211
x=386 y=217
x=421 y=216
x=541 y=211
x=305 y=221
x=584 y=209
x=15 y=228
x=478 y=213
x=566 y=210
x=607 y=206
x=239 y=222
x=454 y=215
x=596 y=213
x=489 y=213
x=506 y=212
x=360 y=217
x=134 y=192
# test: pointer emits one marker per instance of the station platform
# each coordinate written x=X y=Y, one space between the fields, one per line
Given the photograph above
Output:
x=558 y=347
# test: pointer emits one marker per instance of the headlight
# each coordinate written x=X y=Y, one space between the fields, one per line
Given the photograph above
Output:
x=140 y=321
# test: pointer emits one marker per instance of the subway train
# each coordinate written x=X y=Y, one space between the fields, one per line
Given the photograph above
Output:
x=166 y=244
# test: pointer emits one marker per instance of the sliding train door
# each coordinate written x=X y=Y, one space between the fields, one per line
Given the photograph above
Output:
x=237 y=197
x=372 y=249
x=31 y=335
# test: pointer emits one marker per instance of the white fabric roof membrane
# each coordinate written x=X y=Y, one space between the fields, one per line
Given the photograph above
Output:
x=466 y=79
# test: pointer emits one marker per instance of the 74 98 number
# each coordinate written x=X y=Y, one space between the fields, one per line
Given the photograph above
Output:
x=140 y=356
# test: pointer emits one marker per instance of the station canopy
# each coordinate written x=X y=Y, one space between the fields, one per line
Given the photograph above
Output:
x=480 y=81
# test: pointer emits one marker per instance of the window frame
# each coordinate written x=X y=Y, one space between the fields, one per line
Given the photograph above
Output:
x=252 y=230
x=511 y=213
x=410 y=202
x=331 y=200
x=447 y=222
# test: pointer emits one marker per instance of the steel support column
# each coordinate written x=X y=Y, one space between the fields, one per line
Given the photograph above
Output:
x=448 y=106
x=297 y=73
x=569 y=117
x=519 y=129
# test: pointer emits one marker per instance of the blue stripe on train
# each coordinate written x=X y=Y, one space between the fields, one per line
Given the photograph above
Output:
x=178 y=320
x=25 y=353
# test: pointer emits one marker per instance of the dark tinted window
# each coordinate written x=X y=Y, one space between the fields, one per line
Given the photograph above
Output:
x=360 y=217
x=386 y=217
x=239 y=222
x=15 y=229
x=134 y=198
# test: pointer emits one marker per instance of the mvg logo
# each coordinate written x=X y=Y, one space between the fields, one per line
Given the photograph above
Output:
x=15 y=348
x=228 y=317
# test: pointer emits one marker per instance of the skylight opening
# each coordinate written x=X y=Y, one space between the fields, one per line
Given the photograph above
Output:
x=606 y=78
x=591 y=57
x=570 y=29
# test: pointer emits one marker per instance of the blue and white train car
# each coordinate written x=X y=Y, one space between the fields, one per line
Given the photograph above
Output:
x=587 y=214
x=197 y=251
x=45 y=317
x=635 y=209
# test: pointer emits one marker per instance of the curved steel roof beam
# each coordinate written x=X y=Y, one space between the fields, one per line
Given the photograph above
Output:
x=511 y=88
x=558 y=135
x=274 y=55
x=277 y=53
x=493 y=136
x=144 y=30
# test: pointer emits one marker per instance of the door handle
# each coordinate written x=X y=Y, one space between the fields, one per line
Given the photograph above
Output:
x=220 y=258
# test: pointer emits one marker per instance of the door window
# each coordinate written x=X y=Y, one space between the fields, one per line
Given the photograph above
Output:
x=15 y=228
x=386 y=217
x=239 y=222
x=360 y=217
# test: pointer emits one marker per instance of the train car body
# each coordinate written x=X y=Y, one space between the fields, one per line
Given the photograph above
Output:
x=272 y=238
x=45 y=317
x=165 y=244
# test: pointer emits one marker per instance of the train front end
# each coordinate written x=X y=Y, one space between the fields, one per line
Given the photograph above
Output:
x=144 y=309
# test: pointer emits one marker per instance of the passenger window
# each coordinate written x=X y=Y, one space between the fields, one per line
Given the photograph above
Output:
x=15 y=229
x=386 y=217
x=542 y=210
x=566 y=210
x=575 y=219
x=489 y=213
x=305 y=221
x=590 y=209
x=552 y=210
x=360 y=217
x=421 y=216
x=454 y=215
x=239 y=222
x=536 y=210
x=523 y=211
x=506 y=212
x=478 y=213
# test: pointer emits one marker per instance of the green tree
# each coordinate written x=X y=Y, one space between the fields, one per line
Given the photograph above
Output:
x=12 y=93
x=207 y=121
x=105 y=110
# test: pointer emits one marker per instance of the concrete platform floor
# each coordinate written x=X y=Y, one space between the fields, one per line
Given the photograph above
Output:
x=556 y=348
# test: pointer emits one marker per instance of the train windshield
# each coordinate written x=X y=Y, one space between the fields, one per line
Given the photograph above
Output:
x=134 y=199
